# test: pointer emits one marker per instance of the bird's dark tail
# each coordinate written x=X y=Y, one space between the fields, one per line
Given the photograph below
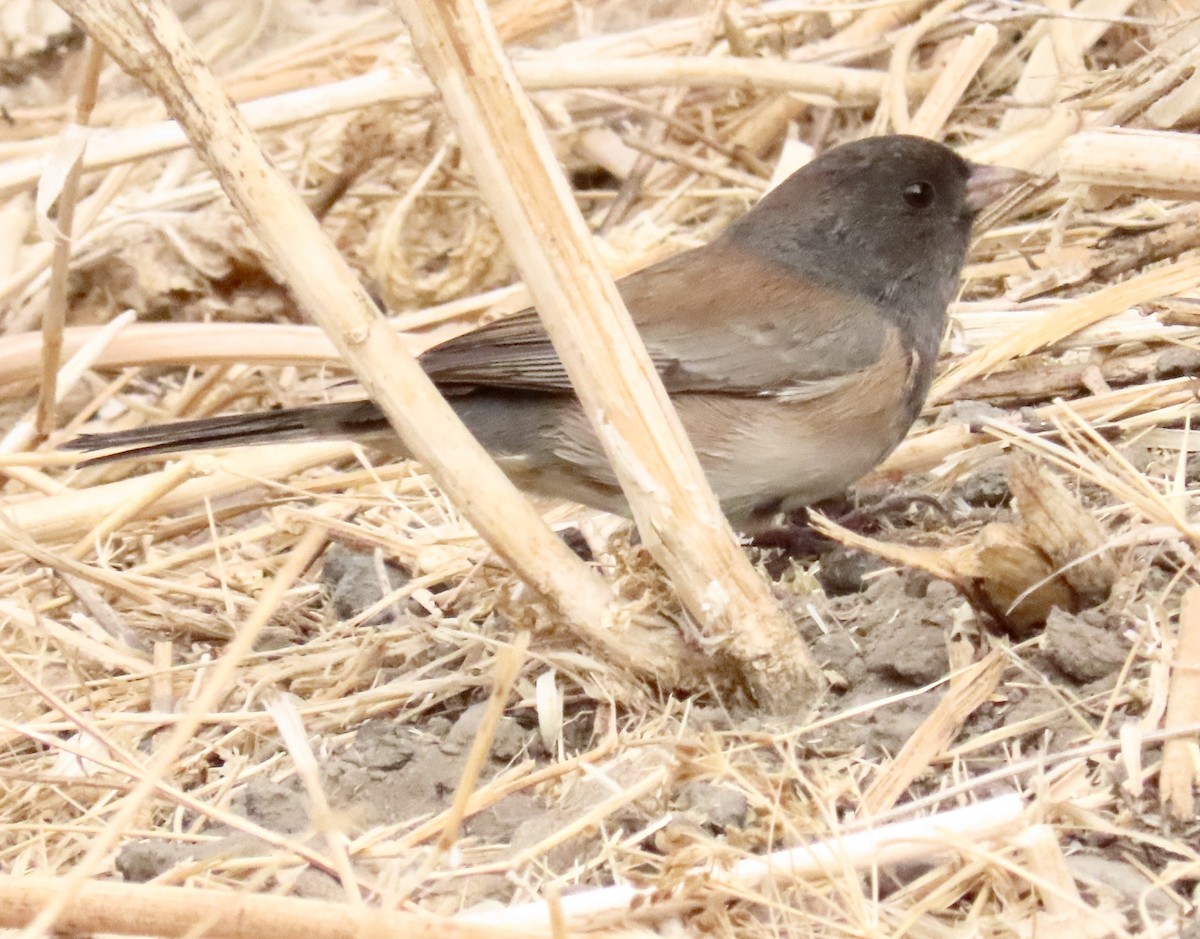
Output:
x=349 y=419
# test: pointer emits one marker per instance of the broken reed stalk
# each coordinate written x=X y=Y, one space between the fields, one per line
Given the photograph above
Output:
x=1071 y=317
x=86 y=213
x=15 y=444
x=1160 y=164
x=952 y=82
x=71 y=513
x=83 y=356
x=506 y=669
x=149 y=910
x=386 y=86
x=54 y=317
x=675 y=509
x=935 y=734
x=1179 y=779
x=295 y=739
x=187 y=344
x=1052 y=876
x=917 y=839
x=149 y=42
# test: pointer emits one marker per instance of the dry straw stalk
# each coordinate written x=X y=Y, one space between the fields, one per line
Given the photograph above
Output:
x=957 y=831
x=1161 y=164
x=148 y=40
x=675 y=509
x=820 y=82
x=1180 y=777
x=147 y=910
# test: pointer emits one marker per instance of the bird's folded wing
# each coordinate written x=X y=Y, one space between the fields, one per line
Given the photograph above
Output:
x=797 y=334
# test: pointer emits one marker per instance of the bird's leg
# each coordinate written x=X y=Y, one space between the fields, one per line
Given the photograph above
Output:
x=797 y=538
x=575 y=540
x=867 y=518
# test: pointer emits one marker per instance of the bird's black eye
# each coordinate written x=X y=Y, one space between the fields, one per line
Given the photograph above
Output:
x=918 y=195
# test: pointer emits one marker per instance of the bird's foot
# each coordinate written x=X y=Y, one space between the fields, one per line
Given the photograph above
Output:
x=797 y=538
x=867 y=519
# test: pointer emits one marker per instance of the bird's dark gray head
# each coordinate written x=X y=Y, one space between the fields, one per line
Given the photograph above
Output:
x=888 y=218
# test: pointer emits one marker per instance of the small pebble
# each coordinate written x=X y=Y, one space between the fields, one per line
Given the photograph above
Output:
x=719 y=807
x=842 y=570
x=353 y=579
x=1177 y=362
x=1083 y=651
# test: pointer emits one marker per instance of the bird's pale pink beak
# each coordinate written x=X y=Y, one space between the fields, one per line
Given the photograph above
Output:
x=988 y=183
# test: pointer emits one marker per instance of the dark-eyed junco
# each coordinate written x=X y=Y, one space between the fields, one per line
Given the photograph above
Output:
x=797 y=347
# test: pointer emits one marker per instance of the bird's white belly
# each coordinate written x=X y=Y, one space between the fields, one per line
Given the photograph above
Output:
x=786 y=458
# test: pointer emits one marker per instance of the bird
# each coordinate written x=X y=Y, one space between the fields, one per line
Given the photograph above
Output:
x=797 y=347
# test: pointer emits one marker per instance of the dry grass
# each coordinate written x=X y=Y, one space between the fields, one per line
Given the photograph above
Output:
x=169 y=668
